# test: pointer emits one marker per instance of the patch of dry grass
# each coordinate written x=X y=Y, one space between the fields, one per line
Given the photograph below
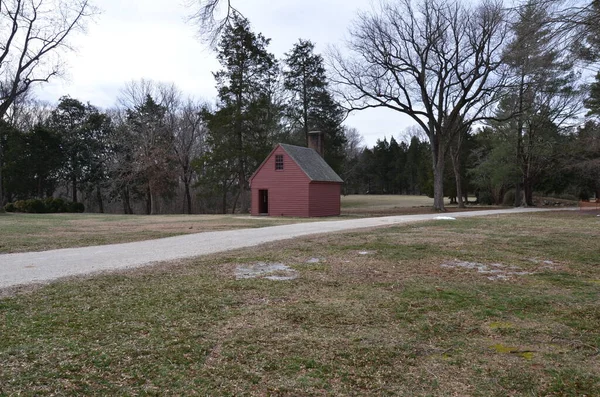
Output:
x=38 y=232
x=392 y=321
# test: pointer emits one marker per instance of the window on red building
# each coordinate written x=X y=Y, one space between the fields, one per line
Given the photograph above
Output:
x=278 y=162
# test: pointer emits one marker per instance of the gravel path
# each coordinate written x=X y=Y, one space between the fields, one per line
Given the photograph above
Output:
x=38 y=267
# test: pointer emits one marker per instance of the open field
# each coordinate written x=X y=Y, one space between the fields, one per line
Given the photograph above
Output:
x=375 y=202
x=387 y=205
x=493 y=306
x=38 y=232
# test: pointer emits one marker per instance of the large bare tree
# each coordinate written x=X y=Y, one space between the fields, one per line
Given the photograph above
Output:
x=33 y=36
x=189 y=144
x=438 y=62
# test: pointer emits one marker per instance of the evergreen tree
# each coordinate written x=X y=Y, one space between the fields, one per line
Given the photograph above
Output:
x=311 y=106
x=593 y=101
x=33 y=162
x=544 y=96
x=242 y=128
x=83 y=130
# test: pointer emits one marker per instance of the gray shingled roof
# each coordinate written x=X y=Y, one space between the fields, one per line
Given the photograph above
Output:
x=312 y=164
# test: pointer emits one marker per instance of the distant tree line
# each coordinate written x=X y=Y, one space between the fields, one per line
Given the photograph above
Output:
x=498 y=97
x=159 y=152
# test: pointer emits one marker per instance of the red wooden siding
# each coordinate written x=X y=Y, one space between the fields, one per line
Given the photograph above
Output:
x=291 y=192
x=324 y=199
x=288 y=189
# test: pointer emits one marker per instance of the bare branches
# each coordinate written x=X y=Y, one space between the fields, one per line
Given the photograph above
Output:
x=212 y=17
x=438 y=62
x=34 y=34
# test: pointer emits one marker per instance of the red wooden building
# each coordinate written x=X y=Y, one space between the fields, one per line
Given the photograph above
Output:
x=296 y=181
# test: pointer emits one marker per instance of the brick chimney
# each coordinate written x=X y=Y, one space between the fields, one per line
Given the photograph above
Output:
x=316 y=141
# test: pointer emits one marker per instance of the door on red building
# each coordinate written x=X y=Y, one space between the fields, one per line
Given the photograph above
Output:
x=263 y=202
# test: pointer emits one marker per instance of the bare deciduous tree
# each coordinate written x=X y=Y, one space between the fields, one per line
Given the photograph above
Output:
x=33 y=36
x=435 y=61
x=189 y=144
x=212 y=17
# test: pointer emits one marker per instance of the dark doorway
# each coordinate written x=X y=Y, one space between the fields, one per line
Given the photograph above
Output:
x=263 y=202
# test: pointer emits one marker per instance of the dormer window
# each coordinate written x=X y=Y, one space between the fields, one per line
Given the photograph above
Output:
x=279 y=162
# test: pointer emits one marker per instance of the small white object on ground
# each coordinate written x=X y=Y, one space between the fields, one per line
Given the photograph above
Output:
x=266 y=270
x=444 y=218
x=501 y=272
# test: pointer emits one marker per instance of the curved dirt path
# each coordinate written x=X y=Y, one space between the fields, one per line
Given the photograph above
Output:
x=38 y=267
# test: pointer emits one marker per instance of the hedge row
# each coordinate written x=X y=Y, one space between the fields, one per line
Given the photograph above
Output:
x=49 y=205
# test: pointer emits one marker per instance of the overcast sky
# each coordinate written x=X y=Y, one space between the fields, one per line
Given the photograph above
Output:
x=134 y=39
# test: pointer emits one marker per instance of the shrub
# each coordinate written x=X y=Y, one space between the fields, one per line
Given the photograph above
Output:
x=509 y=197
x=35 y=206
x=20 y=206
x=76 y=207
x=486 y=198
x=56 y=205
x=52 y=205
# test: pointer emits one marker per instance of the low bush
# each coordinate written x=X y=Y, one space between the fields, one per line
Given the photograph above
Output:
x=509 y=197
x=55 y=205
x=486 y=198
x=49 y=205
x=76 y=207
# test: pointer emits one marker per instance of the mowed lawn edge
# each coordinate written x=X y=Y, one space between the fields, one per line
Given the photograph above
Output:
x=481 y=306
x=40 y=232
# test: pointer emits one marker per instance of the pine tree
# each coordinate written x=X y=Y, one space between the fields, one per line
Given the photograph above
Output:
x=311 y=106
x=592 y=103
x=544 y=96
x=242 y=127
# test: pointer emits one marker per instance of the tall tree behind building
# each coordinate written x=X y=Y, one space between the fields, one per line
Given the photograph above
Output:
x=241 y=129
x=311 y=106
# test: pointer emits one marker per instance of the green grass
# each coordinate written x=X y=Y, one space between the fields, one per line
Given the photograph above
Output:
x=391 y=322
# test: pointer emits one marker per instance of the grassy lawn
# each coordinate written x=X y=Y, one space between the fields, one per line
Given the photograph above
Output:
x=365 y=202
x=38 y=232
x=497 y=306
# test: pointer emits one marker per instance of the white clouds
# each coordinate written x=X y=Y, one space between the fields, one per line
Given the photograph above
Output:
x=135 y=39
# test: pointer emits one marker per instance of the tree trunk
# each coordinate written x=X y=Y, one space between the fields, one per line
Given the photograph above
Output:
x=529 y=195
x=438 y=176
x=153 y=203
x=99 y=198
x=148 y=201
x=188 y=198
x=237 y=197
x=519 y=186
x=2 y=197
x=224 y=203
x=74 y=184
x=455 y=157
